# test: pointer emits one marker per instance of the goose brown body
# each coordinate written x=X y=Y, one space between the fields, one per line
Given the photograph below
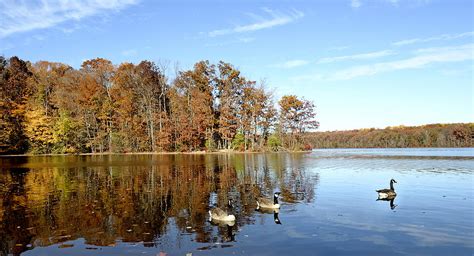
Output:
x=220 y=214
x=263 y=202
x=387 y=193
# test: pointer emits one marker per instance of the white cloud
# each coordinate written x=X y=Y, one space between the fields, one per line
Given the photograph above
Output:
x=358 y=3
x=243 y=40
x=21 y=16
x=393 y=2
x=129 y=52
x=362 y=56
x=291 y=64
x=246 y=39
x=276 y=19
x=355 y=3
x=339 y=48
x=444 y=37
x=449 y=54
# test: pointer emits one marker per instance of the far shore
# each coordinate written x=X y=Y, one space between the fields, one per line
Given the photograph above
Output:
x=165 y=153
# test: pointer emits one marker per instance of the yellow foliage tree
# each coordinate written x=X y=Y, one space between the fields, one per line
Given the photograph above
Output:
x=39 y=130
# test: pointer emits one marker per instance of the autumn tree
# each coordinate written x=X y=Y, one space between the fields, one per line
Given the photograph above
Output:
x=230 y=86
x=41 y=111
x=51 y=107
x=193 y=106
x=152 y=92
x=257 y=114
x=14 y=93
x=71 y=131
x=96 y=95
x=131 y=128
x=296 y=116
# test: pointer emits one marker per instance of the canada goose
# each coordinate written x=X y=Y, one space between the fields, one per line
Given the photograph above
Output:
x=221 y=215
x=387 y=193
x=268 y=203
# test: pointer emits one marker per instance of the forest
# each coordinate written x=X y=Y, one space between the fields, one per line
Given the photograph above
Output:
x=433 y=135
x=49 y=107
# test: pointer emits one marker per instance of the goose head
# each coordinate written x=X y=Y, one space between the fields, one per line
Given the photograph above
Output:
x=393 y=181
x=276 y=194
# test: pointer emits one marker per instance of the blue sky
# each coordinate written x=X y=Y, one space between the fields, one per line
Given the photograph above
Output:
x=365 y=63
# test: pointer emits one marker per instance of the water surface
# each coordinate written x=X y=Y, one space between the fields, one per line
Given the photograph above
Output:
x=152 y=204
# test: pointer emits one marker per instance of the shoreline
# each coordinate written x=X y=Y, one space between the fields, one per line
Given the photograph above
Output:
x=163 y=153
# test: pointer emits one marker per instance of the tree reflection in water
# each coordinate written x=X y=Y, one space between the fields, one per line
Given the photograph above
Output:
x=137 y=198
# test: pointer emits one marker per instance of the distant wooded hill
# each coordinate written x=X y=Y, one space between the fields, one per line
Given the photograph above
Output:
x=432 y=135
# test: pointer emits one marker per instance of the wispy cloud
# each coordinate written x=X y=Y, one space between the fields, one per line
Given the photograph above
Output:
x=394 y=2
x=273 y=19
x=21 y=16
x=467 y=70
x=449 y=54
x=243 y=40
x=444 y=37
x=358 y=3
x=361 y=56
x=355 y=4
x=339 y=48
x=291 y=64
x=129 y=52
x=246 y=39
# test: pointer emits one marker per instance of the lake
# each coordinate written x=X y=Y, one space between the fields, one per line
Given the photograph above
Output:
x=158 y=204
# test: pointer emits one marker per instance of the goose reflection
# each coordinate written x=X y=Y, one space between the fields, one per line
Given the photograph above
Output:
x=391 y=200
x=140 y=202
x=229 y=234
x=275 y=212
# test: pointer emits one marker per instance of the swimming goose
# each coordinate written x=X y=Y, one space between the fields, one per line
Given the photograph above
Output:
x=387 y=192
x=268 y=203
x=221 y=215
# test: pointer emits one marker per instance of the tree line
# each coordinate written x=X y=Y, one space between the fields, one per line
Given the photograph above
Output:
x=433 y=135
x=50 y=107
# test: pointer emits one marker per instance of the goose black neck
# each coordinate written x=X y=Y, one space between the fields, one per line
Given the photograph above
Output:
x=391 y=185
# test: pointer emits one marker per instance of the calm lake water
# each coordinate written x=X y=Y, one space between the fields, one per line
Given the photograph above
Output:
x=158 y=204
